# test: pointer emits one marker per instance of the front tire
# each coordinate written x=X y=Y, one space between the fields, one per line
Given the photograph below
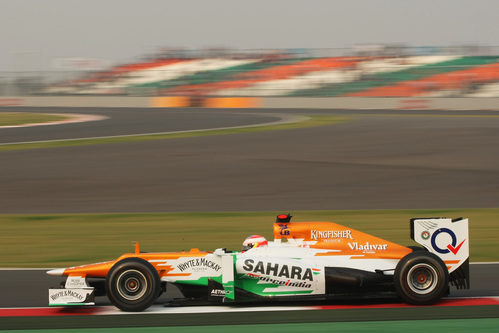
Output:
x=421 y=278
x=133 y=284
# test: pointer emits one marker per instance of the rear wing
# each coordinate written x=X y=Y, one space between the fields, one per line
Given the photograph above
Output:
x=448 y=239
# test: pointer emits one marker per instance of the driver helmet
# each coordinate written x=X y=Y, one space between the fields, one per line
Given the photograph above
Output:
x=254 y=241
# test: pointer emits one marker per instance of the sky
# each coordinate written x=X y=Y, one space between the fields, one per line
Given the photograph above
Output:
x=33 y=33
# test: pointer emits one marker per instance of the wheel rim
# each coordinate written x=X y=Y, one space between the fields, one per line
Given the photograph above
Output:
x=132 y=284
x=422 y=278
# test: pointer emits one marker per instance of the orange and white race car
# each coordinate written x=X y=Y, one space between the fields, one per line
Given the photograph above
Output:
x=305 y=260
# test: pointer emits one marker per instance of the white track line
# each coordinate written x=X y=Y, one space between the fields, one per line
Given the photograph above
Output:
x=205 y=309
x=284 y=119
x=485 y=263
x=73 y=118
x=23 y=269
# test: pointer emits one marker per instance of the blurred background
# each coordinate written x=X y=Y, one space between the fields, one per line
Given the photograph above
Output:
x=226 y=48
x=365 y=70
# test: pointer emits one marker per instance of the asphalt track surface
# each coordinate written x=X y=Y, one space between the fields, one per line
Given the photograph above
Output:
x=376 y=160
x=123 y=121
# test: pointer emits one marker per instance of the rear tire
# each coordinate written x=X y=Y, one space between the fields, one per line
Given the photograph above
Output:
x=421 y=278
x=133 y=284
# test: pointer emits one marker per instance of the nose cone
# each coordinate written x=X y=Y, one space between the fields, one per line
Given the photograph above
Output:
x=56 y=272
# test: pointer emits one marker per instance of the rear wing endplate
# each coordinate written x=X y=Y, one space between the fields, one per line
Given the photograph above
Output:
x=448 y=239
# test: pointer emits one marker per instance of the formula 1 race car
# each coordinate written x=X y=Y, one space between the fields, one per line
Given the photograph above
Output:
x=306 y=260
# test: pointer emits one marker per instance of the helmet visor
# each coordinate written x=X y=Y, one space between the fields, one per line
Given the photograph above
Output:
x=247 y=247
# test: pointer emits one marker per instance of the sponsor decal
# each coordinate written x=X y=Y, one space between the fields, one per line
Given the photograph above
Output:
x=428 y=225
x=199 y=263
x=367 y=247
x=287 y=283
x=278 y=270
x=68 y=293
x=75 y=282
x=330 y=234
x=450 y=247
x=283 y=230
x=217 y=292
x=425 y=234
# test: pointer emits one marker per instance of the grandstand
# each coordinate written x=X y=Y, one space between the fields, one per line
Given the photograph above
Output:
x=284 y=74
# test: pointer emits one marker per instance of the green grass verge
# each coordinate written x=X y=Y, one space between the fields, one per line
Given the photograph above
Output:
x=60 y=240
x=23 y=118
x=442 y=325
x=311 y=121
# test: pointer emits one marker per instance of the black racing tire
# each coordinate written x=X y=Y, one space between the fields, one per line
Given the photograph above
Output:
x=133 y=284
x=421 y=278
